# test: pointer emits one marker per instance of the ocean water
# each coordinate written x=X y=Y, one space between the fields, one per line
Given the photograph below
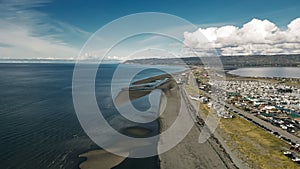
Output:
x=287 y=72
x=38 y=124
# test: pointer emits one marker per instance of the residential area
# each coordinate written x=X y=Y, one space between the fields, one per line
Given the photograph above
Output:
x=270 y=105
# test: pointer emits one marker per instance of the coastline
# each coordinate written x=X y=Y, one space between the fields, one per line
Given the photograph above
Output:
x=187 y=154
x=102 y=159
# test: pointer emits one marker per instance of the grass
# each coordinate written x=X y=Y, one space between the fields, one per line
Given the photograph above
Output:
x=260 y=148
x=191 y=90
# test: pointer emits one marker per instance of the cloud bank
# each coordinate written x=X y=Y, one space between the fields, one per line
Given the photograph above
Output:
x=257 y=37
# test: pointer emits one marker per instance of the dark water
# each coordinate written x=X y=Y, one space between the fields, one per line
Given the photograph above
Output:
x=285 y=72
x=38 y=125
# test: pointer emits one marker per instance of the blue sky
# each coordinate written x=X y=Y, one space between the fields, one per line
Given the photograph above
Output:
x=65 y=25
x=91 y=15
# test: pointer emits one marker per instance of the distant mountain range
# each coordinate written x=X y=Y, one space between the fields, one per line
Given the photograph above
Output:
x=71 y=61
x=229 y=62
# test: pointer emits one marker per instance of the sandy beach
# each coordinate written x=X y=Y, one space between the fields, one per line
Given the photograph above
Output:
x=187 y=154
x=100 y=159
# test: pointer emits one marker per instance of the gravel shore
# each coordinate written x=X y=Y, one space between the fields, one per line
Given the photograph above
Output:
x=189 y=153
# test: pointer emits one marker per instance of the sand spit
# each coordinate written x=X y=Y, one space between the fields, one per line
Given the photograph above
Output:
x=188 y=154
x=100 y=159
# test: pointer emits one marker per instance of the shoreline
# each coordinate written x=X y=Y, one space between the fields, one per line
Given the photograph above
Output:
x=96 y=158
x=192 y=154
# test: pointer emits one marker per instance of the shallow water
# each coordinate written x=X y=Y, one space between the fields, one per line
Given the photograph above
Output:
x=38 y=124
x=286 y=72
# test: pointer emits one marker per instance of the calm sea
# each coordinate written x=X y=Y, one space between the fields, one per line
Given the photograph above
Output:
x=38 y=124
x=287 y=72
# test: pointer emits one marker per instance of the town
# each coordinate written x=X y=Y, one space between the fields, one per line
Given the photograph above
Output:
x=271 y=105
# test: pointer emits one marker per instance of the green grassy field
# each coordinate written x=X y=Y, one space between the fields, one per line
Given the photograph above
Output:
x=259 y=148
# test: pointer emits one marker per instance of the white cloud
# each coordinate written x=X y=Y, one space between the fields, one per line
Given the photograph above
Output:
x=19 y=43
x=29 y=34
x=254 y=37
